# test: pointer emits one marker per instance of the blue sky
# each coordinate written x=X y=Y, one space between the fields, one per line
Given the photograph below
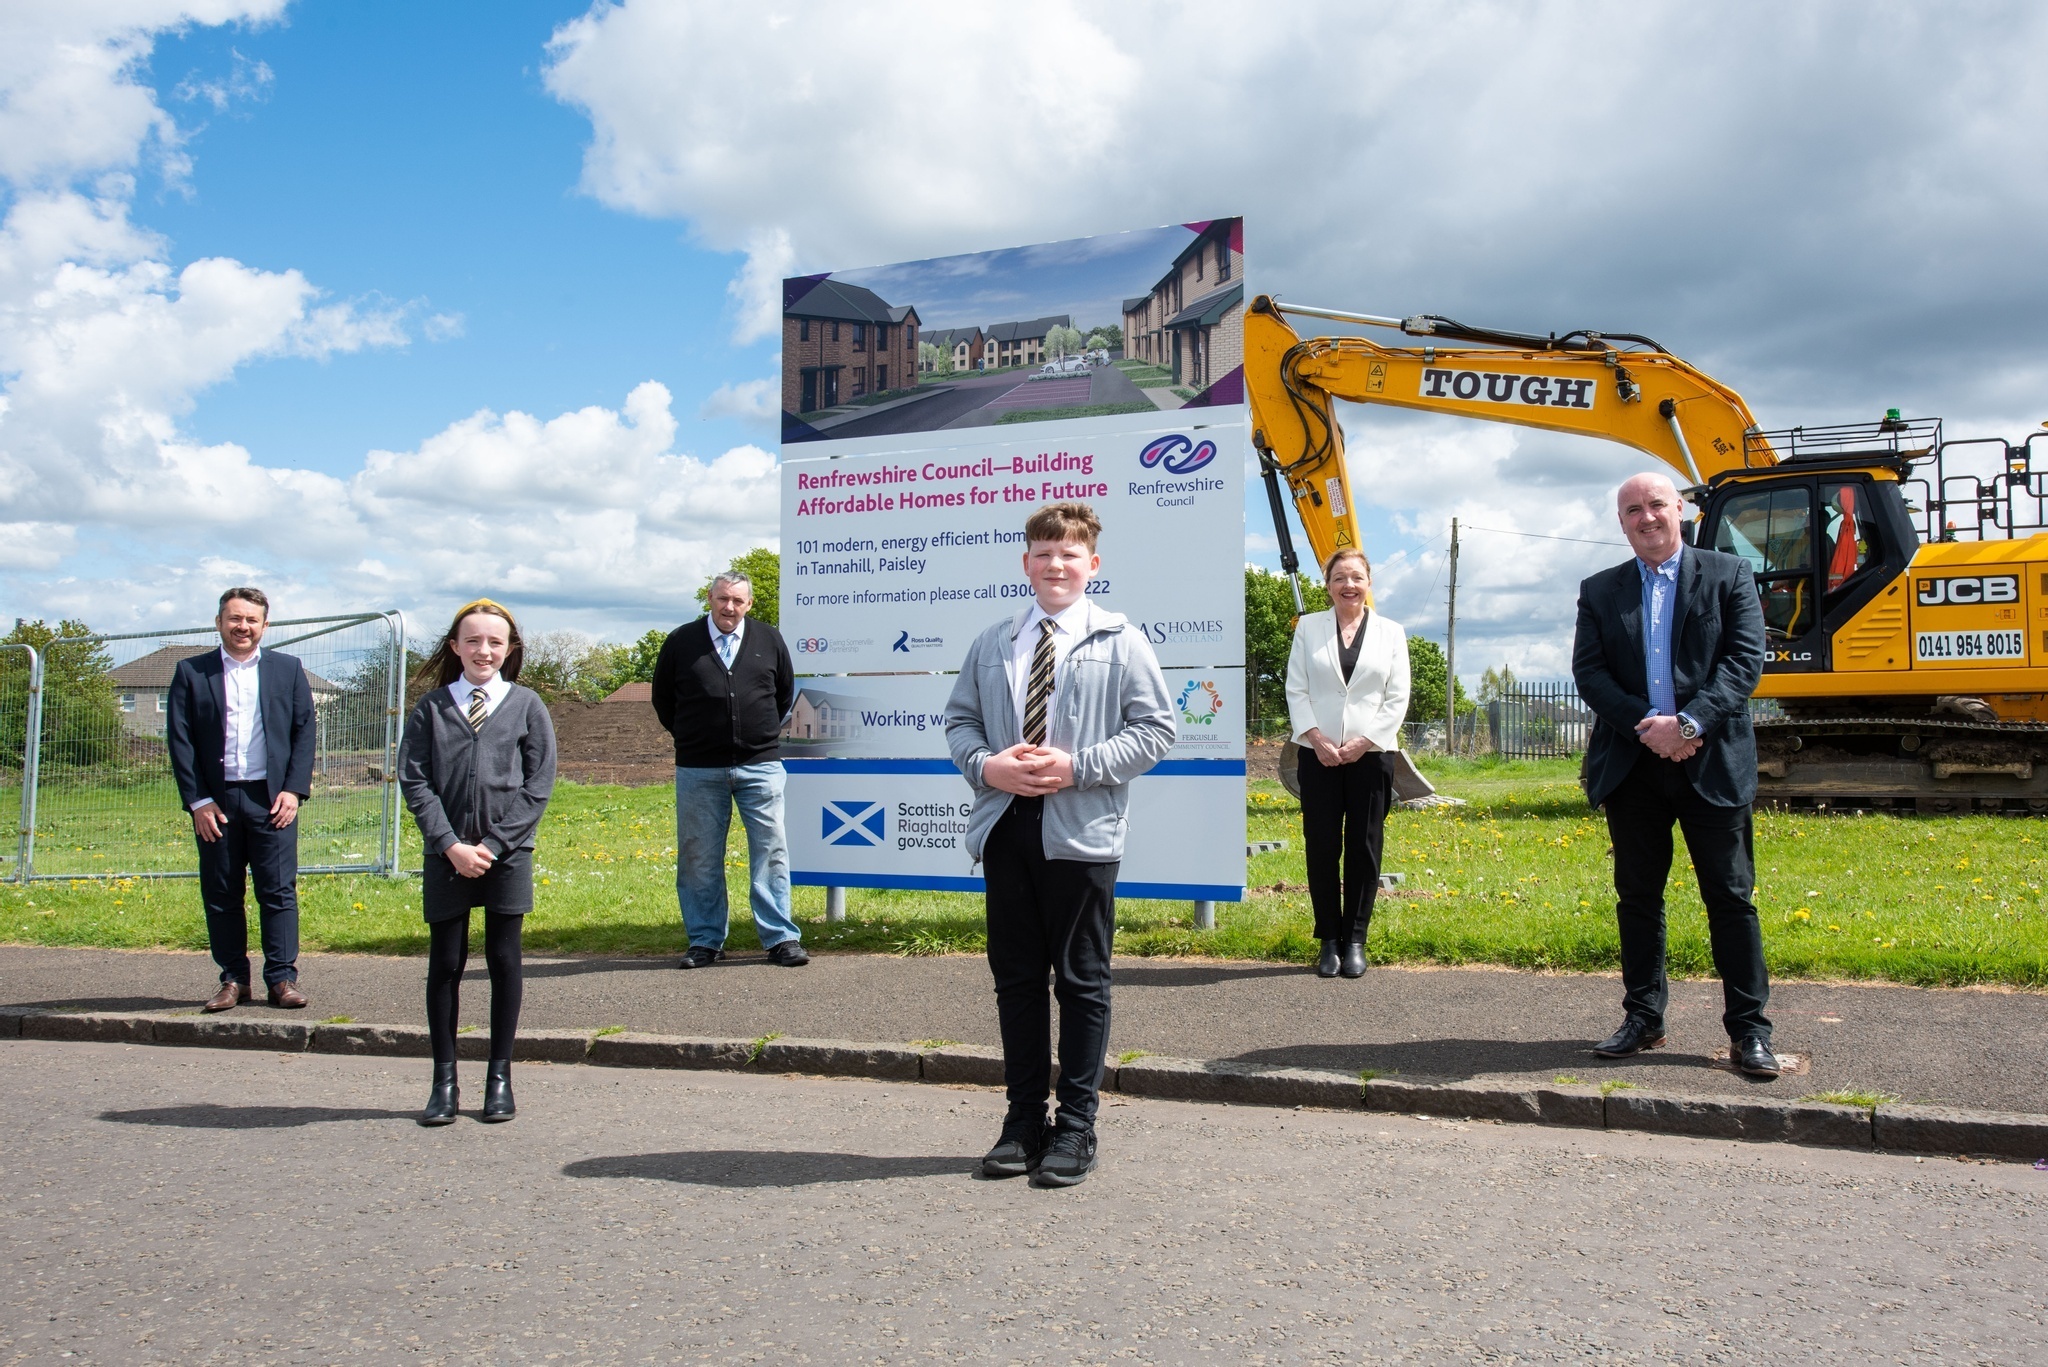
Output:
x=384 y=305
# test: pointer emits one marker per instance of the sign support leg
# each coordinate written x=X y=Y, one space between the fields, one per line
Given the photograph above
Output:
x=1205 y=916
x=835 y=904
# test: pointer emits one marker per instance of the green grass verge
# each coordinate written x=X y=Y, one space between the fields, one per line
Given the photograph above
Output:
x=1145 y=375
x=1076 y=410
x=1518 y=877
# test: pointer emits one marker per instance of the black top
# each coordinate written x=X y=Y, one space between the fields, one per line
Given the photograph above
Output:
x=721 y=718
x=1717 y=656
x=1347 y=656
x=196 y=733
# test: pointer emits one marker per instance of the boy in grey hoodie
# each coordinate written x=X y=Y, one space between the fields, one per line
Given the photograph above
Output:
x=1056 y=710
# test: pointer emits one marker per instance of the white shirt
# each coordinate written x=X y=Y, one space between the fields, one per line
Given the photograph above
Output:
x=243 y=760
x=1065 y=636
x=494 y=693
x=726 y=643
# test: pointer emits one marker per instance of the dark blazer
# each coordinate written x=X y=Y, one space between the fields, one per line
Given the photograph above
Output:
x=196 y=729
x=488 y=786
x=1717 y=656
x=721 y=719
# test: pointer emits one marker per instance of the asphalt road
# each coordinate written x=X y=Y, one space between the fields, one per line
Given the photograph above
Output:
x=1969 y=1048
x=203 y=1206
x=929 y=415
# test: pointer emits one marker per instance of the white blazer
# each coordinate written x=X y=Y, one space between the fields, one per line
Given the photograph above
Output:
x=1372 y=705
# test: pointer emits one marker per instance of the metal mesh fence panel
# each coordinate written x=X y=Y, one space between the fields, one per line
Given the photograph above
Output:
x=105 y=802
x=1539 y=721
x=20 y=673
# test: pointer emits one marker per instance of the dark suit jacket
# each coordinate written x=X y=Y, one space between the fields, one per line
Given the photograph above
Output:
x=1717 y=656
x=196 y=729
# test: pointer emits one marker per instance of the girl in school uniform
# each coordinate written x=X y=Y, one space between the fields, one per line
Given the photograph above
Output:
x=477 y=769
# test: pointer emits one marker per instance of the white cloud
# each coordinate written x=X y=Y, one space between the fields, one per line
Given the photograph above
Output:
x=749 y=400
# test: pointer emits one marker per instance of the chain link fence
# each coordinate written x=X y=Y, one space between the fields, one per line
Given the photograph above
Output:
x=85 y=757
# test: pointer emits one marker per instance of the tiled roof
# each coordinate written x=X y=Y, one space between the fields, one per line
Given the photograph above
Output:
x=1205 y=311
x=837 y=299
x=155 y=669
x=1037 y=327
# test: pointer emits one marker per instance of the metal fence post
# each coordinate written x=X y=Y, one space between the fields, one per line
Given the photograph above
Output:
x=394 y=704
x=31 y=747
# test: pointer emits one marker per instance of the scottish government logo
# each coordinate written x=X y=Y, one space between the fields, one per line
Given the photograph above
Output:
x=855 y=823
x=1176 y=454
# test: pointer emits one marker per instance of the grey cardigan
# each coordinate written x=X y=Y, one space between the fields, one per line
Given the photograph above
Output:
x=1110 y=710
x=486 y=787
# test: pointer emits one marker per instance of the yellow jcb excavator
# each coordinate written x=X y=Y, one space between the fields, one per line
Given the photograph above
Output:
x=1905 y=602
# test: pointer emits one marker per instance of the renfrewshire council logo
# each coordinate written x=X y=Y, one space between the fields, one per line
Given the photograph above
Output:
x=1176 y=454
x=854 y=822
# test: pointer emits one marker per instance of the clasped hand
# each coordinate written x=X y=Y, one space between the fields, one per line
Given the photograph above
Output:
x=1330 y=754
x=1664 y=738
x=471 y=861
x=1029 y=770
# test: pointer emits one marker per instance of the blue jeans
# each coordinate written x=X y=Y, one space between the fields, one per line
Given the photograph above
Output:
x=704 y=802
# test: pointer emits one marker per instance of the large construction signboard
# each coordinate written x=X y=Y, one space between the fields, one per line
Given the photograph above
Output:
x=928 y=409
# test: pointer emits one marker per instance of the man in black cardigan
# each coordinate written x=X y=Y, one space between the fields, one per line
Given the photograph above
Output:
x=1669 y=648
x=240 y=732
x=722 y=686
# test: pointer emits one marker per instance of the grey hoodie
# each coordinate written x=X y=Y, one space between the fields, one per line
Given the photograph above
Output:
x=1110 y=710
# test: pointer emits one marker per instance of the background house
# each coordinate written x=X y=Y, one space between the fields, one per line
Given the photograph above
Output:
x=1191 y=321
x=965 y=344
x=841 y=342
x=1020 y=343
x=819 y=716
x=143 y=687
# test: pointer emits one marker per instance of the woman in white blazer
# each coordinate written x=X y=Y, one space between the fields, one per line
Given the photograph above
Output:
x=1347 y=693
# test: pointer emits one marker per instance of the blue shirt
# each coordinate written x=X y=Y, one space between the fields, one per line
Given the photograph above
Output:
x=1660 y=601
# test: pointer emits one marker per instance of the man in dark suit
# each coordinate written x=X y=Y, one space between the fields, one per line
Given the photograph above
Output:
x=1669 y=648
x=240 y=733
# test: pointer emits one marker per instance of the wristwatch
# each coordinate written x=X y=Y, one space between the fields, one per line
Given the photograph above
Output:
x=1687 y=727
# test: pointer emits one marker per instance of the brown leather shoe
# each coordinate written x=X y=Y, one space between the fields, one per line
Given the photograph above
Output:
x=230 y=995
x=287 y=995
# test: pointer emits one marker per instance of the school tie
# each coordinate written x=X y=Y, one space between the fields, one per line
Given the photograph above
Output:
x=1038 y=692
x=477 y=699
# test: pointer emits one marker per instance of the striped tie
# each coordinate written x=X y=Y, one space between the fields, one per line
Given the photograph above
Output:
x=1038 y=692
x=477 y=699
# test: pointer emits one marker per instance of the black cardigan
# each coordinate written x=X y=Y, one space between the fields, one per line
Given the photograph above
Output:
x=486 y=786
x=721 y=719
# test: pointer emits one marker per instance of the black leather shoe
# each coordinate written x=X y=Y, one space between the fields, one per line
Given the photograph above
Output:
x=441 y=1102
x=1018 y=1147
x=1754 y=1056
x=1068 y=1159
x=498 y=1091
x=1635 y=1035
x=1327 y=966
x=788 y=954
x=1353 y=965
x=701 y=956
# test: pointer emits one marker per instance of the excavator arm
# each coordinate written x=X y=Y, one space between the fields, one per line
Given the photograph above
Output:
x=1585 y=383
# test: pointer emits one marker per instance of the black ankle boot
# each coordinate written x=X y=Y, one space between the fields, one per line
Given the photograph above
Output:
x=441 y=1103
x=1326 y=967
x=498 y=1090
x=1354 y=960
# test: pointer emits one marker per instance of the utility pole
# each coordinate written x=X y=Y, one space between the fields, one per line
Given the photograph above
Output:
x=1451 y=654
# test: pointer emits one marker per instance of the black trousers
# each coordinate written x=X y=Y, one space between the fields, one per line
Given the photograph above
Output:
x=448 y=955
x=1344 y=812
x=1722 y=842
x=1048 y=918
x=250 y=851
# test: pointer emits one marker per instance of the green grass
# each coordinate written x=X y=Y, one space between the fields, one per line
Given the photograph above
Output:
x=1145 y=375
x=1075 y=410
x=1520 y=876
x=1869 y=1101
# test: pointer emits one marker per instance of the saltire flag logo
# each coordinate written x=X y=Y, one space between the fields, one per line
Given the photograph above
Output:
x=854 y=823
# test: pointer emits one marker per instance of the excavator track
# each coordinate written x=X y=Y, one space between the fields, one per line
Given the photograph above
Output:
x=1929 y=766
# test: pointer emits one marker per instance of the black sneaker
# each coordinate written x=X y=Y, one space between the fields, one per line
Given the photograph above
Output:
x=701 y=956
x=1068 y=1159
x=1018 y=1147
x=788 y=954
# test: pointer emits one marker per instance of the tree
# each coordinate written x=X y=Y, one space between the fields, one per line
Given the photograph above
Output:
x=81 y=710
x=1109 y=336
x=764 y=568
x=1062 y=341
x=934 y=359
x=1268 y=636
x=1496 y=684
x=1426 y=671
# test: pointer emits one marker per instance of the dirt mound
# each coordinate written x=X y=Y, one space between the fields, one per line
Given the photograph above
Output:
x=612 y=742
